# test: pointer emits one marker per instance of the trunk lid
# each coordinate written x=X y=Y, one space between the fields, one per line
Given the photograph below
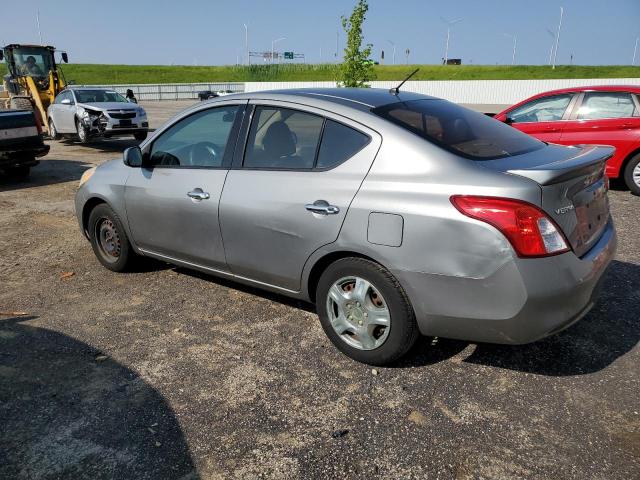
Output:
x=573 y=187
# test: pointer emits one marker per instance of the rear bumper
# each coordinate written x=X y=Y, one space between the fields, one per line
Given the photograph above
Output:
x=524 y=301
x=22 y=152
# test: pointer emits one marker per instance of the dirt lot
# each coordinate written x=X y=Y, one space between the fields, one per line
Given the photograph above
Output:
x=165 y=373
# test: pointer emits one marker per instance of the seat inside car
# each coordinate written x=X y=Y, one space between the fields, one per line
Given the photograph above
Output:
x=278 y=147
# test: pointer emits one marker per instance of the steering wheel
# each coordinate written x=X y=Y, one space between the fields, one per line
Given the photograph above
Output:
x=205 y=154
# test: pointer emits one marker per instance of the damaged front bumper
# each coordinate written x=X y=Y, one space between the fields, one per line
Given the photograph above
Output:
x=105 y=123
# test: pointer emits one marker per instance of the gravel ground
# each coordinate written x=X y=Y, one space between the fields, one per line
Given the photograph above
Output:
x=166 y=373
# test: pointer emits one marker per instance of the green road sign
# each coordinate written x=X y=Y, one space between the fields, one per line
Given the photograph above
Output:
x=288 y=55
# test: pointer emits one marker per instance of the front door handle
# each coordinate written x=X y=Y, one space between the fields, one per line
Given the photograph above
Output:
x=322 y=207
x=198 y=194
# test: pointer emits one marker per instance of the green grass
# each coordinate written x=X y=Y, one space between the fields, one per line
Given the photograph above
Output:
x=131 y=74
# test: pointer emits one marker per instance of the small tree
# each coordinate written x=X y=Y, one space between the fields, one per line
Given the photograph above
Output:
x=356 y=69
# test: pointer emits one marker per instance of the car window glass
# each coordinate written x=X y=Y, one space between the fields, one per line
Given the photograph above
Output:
x=282 y=138
x=547 y=109
x=61 y=97
x=459 y=129
x=339 y=143
x=199 y=140
x=606 y=105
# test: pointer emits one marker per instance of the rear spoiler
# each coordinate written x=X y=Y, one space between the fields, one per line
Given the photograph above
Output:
x=589 y=159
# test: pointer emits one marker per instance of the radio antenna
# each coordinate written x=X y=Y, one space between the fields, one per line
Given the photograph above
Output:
x=396 y=90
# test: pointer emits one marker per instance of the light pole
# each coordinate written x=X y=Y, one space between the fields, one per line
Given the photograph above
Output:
x=449 y=23
x=553 y=41
x=635 y=50
x=273 y=45
x=515 y=42
x=246 y=42
x=555 y=52
x=394 y=51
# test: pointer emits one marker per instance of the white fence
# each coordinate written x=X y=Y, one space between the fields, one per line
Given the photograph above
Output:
x=171 y=91
x=465 y=91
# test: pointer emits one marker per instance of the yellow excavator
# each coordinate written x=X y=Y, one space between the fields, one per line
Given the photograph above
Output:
x=33 y=80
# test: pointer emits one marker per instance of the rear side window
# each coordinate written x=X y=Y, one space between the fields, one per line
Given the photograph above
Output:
x=606 y=105
x=339 y=143
x=457 y=129
x=281 y=138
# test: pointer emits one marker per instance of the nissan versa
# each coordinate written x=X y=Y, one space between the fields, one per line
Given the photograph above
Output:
x=397 y=214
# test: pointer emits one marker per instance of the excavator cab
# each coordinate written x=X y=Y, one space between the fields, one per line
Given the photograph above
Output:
x=33 y=80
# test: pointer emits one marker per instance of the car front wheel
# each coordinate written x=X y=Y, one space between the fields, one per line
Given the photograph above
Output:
x=53 y=131
x=109 y=239
x=632 y=175
x=83 y=132
x=365 y=311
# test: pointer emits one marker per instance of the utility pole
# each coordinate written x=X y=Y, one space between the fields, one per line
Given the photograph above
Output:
x=449 y=23
x=273 y=44
x=515 y=42
x=394 y=51
x=555 y=52
x=553 y=41
x=635 y=50
x=246 y=42
x=38 y=22
x=406 y=53
x=337 y=42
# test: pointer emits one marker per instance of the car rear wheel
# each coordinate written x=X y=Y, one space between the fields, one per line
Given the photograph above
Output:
x=140 y=135
x=53 y=131
x=632 y=174
x=365 y=312
x=109 y=239
x=83 y=133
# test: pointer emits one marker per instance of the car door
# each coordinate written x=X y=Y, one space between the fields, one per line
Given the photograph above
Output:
x=605 y=118
x=289 y=194
x=542 y=117
x=60 y=112
x=172 y=201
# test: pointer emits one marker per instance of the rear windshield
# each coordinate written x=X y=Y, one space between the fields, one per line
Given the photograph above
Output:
x=458 y=129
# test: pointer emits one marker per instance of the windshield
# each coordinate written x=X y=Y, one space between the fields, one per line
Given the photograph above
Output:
x=458 y=129
x=99 y=96
x=32 y=61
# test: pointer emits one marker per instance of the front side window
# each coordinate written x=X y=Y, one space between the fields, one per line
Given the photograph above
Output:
x=99 y=96
x=200 y=140
x=597 y=105
x=282 y=138
x=61 y=97
x=458 y=129
x=547 y=109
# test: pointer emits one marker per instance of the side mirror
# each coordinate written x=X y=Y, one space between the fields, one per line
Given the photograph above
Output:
x=65 y=57
x=132 y=157
x=66 y=101
x=508 y=120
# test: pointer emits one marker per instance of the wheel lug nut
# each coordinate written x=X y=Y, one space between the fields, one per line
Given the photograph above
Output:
x=366 y=314
x=357 y=304
x=360 y=322
x=350 y=317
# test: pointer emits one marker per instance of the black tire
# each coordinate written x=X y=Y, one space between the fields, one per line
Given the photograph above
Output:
x=20 y=103
x=53 y=131
x=83 y=133
x=403 y=331
x=631 y=182
x=140 y=136
x=121 y=257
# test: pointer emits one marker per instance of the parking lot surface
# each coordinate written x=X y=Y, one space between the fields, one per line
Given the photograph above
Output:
x=167 y=373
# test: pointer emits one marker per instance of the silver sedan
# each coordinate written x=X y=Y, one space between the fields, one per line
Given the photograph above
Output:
x=95 y=112
x=397 y=214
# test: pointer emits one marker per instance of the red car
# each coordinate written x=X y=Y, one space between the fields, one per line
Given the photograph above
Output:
x=604 y=115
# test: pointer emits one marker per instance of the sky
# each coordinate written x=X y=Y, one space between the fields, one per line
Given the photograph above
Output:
x=200 y=32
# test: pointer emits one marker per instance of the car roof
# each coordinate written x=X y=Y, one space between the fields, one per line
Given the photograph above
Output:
x=358 y=98
x=596 y=88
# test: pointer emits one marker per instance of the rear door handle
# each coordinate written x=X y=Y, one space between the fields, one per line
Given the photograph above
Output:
x=198 y=194
x=322 y=207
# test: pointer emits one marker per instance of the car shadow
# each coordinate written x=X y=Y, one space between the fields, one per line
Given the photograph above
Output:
x=606 y=333
x=48 y=172
x=106 y=145
x=68 y=411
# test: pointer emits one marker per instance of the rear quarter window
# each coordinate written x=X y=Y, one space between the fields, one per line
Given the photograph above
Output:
x=339 y=143
x=459 y=130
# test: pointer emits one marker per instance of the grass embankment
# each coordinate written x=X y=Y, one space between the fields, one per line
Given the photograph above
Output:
x=132 y=74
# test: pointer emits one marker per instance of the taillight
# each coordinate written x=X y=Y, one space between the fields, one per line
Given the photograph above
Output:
x=529 y=230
